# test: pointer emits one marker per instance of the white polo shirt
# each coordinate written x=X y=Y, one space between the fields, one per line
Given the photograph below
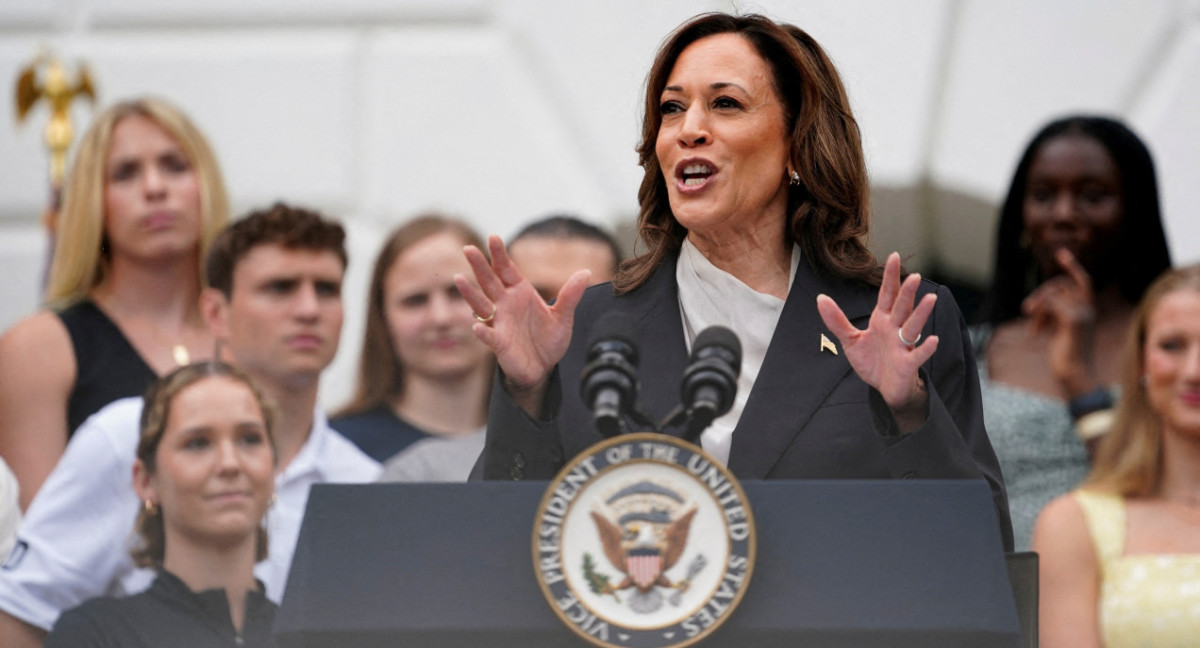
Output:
x=74 y=542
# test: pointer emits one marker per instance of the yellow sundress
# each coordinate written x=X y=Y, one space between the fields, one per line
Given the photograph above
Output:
x=1145 y=599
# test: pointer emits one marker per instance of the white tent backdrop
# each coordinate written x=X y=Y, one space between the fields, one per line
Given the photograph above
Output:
x=500 y=111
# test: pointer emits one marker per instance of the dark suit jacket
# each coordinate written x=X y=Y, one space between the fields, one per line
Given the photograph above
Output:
x=809 y=415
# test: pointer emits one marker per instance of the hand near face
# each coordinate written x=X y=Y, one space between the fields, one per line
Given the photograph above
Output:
x=1064 y=308
x=527 y=335
x=878 y=355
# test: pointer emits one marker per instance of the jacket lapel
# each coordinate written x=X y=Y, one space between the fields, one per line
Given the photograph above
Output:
x=797 y=374
x=663 y=353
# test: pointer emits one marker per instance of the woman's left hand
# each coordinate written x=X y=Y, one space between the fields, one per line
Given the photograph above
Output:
x=881 y=354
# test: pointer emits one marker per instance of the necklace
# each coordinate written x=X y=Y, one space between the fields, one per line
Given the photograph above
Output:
x=182 y=357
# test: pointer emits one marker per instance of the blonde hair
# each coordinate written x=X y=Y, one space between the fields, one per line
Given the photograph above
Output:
x=80 y=263
x=1129 y=461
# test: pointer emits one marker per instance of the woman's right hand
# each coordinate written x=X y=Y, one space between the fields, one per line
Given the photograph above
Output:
x=1064 y=307
x=528 y=336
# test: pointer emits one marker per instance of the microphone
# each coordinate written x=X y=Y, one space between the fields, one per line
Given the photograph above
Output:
x=710 y=380
x=609 y=385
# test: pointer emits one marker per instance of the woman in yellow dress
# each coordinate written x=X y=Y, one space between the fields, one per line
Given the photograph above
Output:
x=1120 y=556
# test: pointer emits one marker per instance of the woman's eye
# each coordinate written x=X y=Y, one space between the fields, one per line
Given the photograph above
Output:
x=1040 y=194
x=124 y=172
x=1093 y=196
x=175 y=163
x=726 y=102
x=671 y=107
x=414 y=301
x=196 y=443
x=1171 y=345
x=253 y=439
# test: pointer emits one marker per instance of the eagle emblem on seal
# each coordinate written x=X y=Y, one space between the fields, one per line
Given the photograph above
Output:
x=643 y=534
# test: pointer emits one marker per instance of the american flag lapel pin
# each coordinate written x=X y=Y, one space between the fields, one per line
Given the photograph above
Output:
x=828 y=345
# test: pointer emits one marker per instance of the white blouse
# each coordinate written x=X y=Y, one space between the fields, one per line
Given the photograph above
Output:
x=709 y=296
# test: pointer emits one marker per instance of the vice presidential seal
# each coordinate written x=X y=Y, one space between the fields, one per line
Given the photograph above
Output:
x=644 y=541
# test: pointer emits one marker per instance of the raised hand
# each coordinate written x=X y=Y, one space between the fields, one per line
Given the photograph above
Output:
x=888 y=353
x=527 y=335
x=1064 y=308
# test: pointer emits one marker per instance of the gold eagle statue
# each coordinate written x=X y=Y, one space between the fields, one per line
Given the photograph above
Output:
x=59 y=92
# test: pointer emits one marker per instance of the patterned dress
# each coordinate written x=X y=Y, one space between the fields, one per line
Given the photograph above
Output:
x=1034 y=439
x=1145 y=599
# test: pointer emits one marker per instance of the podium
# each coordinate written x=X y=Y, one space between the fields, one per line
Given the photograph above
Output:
x=839 y=563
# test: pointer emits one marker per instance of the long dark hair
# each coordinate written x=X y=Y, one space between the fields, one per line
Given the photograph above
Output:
x=828 y=211
x=1015 y=273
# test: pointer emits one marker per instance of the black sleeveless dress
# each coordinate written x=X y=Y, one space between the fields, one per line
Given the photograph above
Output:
x=107 y=366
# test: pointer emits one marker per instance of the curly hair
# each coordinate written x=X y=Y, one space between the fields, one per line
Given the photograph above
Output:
x=294 y=228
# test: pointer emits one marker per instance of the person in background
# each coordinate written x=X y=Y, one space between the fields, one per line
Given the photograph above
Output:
x=548 y=251
x=204 y=473
x=274 y=304
x=1120 y=556
x=143 y=200
x=1080 y=237
x=754 y=216
x=424 y=379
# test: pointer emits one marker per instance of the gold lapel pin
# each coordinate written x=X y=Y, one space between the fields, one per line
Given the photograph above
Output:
x=827 y=345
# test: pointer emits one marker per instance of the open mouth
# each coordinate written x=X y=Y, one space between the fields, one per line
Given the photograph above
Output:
x=696 y=174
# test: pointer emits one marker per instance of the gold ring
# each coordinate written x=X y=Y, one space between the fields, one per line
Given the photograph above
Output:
x=488 y=319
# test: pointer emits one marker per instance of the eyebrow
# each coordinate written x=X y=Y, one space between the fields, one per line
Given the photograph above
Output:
x=196 y=430
x=122 y=161
x=719 y=85
x=202 y=428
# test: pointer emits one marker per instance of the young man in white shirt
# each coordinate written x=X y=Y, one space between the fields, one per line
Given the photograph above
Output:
x=274 y=303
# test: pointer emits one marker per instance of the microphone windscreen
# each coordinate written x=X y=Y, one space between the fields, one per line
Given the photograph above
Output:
x=719 y=336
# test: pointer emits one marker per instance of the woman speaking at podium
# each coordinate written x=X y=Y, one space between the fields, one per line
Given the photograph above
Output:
x=753 y=216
